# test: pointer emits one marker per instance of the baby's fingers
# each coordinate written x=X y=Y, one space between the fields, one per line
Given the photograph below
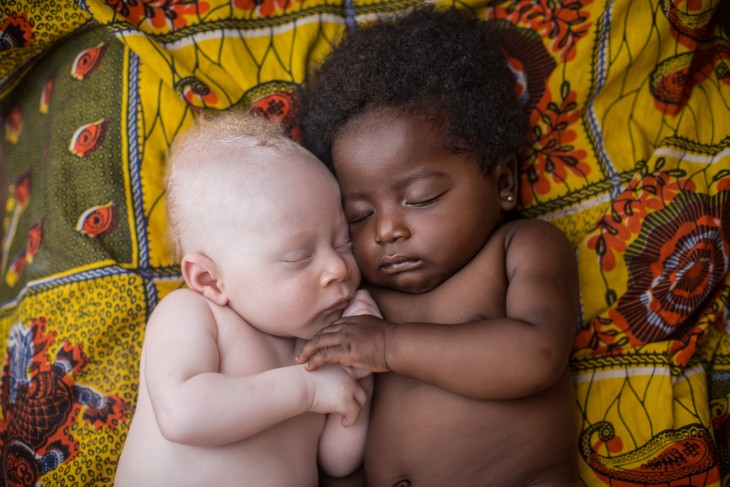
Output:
x=328 y=355
x=318 y=345
x=352 y=413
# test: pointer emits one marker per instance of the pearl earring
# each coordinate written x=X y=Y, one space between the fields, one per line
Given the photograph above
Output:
x=510 y=198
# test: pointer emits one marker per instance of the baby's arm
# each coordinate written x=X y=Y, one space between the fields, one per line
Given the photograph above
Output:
x=518 y=355
x=341 y=448
x=195 y=404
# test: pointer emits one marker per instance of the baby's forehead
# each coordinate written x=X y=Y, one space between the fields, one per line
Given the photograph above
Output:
x=290 y=180
x=277 y=172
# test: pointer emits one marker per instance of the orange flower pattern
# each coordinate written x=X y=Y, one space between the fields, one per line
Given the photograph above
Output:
x=675 y=264
x=264 y=8
x=627 y=153
x=552 y=155
x=563 y=22
x=161 y=15
x=16 y=31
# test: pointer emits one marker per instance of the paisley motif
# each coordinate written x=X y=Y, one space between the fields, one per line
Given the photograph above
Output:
x=195 y=92
x=97 y=221
x=21 y=190
x=87 y=61
x=13 y=124
x=46 y=93
x=21 y=467
x=672 y=80
x=18 y=201
x=671 y=455
x=15 y=269
x=35 y=237
x=686 y=20
x=88 y=138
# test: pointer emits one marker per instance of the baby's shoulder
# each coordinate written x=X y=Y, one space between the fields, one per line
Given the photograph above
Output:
x=182 y=303
x=528 y=233
x=181 y=309
x=179 y=300
x=538 y=247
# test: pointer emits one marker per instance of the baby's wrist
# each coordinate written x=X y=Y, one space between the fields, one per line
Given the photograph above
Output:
x=389 y=343
x=308 y=392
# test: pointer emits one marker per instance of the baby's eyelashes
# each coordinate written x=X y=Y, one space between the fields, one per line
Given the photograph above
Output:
x=424 y=202
x=358 y=220
x=297 y=259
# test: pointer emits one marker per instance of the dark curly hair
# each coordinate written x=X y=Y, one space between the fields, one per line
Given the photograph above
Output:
x=445 y=65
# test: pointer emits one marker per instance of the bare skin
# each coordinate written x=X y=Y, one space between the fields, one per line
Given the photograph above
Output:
x=221 y=446
x=474 y=386
x=221 y=401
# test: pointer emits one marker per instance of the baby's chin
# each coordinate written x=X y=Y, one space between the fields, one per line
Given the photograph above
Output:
x=409 y=284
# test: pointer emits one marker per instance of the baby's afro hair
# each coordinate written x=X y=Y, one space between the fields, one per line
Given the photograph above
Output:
x=441 y=64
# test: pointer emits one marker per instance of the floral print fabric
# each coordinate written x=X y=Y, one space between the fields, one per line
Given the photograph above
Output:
x=629 y=155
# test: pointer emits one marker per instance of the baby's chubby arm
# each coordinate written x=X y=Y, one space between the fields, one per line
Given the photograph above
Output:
x=195 y=404
x=341 y=448
x=514 y=356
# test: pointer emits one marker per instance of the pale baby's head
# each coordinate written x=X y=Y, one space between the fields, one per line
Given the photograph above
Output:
x=258 y=224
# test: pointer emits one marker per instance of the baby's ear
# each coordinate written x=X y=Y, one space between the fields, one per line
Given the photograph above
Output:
x=505 y=177
x=201 y=275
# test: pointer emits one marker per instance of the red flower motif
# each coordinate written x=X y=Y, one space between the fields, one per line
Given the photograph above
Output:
x=264 y=8
x=16 y=31
x=196 y=92
x=681 y=256
x=561 y=21
x=41 y=401
x=552 y=155
x=160 y=14
x=282 y=106
x=645 y=194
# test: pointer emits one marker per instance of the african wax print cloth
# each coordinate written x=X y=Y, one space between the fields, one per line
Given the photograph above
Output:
x=629 y=156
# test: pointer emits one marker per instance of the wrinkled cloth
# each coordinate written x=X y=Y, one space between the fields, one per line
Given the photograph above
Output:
x=629 y=155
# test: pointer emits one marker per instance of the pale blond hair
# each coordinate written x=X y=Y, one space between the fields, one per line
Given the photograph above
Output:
x=208 y=163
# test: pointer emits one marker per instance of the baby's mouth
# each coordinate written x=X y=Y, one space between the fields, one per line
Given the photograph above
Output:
x=399 y=263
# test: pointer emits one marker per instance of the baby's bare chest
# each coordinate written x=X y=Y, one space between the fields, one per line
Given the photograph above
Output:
x=243 y=350
x=428 y=437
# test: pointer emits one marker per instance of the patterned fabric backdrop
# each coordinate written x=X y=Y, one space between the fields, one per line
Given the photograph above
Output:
x=629 y=156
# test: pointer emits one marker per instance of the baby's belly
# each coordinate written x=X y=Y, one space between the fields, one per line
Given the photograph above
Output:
x=423 y=436
x=280 y=456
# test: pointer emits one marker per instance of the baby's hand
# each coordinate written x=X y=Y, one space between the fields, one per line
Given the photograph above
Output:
x=335 y=389
x=356 y=341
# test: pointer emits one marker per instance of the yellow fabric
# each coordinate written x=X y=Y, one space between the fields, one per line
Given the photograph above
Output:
x=630 y=157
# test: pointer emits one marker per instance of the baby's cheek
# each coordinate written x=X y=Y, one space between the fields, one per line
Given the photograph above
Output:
x=361 y=252
x=366 y=261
